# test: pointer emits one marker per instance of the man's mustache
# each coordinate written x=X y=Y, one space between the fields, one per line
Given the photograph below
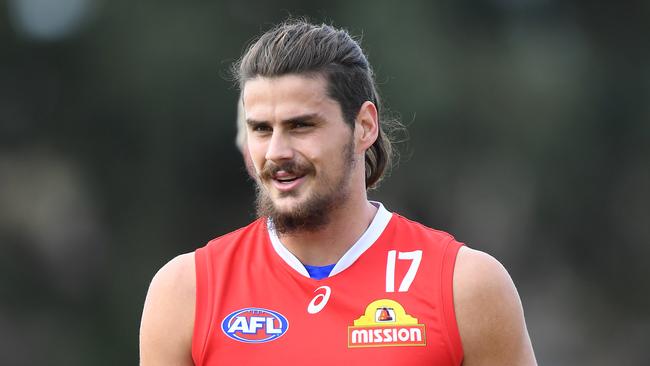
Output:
x=290 y=167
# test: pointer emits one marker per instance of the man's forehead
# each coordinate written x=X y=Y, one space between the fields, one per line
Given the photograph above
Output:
x=307 y=85
x=282 y=96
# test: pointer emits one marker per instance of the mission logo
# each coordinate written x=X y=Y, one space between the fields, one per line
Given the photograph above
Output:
x=386 y=323
x=255 y=325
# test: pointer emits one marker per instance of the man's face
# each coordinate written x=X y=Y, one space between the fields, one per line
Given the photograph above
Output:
x=301 y=148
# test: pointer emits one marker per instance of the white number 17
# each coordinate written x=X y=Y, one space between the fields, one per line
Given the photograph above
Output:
x=415 y=257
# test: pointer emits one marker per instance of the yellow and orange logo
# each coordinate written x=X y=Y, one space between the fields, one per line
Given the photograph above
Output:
x=386 y=323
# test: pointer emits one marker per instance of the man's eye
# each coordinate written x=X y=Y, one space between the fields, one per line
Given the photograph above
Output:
x=301 y=124
x=262 y=129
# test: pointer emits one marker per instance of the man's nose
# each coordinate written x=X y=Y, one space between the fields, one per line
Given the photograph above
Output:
x=279 y=147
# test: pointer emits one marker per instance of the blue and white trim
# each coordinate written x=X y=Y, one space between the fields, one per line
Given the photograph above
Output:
x=372 y=233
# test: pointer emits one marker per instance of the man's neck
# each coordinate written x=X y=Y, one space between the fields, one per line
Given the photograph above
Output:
x=328 y=244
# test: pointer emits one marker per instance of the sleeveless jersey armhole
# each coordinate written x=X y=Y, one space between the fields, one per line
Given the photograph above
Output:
x=447 y=292
x=202 y=314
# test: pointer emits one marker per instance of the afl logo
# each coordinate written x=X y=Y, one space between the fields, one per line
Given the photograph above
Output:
x=255 y=325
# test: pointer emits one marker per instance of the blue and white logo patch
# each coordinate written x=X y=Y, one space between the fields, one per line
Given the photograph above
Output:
x=255 y=325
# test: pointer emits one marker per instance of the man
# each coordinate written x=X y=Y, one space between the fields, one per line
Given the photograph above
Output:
x=324 y=276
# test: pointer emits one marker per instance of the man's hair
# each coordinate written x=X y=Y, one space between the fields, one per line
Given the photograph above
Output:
x=299 y=47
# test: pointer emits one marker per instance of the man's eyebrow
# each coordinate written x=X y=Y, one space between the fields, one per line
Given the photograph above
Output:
x=299 y=118
x=253 y=123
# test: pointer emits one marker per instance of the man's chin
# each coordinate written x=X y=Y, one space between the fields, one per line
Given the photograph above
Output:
x=286 y=205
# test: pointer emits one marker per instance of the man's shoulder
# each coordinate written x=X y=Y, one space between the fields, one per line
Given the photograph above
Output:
x=169 y=309
x=477 y=272
x=180 y=270
x=254 y=229
x=406 y=226
x=480 y=281
x=177 y=276
x=489 y=312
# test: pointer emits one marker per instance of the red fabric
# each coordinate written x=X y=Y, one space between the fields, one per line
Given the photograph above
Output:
x=242 y=270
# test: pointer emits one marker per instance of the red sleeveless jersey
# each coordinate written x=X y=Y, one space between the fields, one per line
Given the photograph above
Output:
x=388 y=301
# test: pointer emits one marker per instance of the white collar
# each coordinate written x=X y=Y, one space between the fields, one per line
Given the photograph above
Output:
x=372 y=233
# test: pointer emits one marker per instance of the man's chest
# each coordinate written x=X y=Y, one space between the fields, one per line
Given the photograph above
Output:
x=385 y=310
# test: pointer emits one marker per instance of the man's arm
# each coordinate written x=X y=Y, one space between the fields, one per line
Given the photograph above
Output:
x=489 y=313
x=168 y=316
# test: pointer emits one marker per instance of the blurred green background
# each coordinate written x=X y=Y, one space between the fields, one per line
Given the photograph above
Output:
x=529 y=139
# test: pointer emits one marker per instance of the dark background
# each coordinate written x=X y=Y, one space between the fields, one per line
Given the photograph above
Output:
x=529 y=139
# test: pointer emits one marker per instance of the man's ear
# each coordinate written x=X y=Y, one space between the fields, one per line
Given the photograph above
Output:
x=366 y=127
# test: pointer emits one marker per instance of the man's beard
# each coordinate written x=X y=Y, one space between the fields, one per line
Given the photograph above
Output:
x=315 y=211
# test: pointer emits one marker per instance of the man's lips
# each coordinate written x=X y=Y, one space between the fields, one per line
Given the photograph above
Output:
x=283 y=175
x=284 y=182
